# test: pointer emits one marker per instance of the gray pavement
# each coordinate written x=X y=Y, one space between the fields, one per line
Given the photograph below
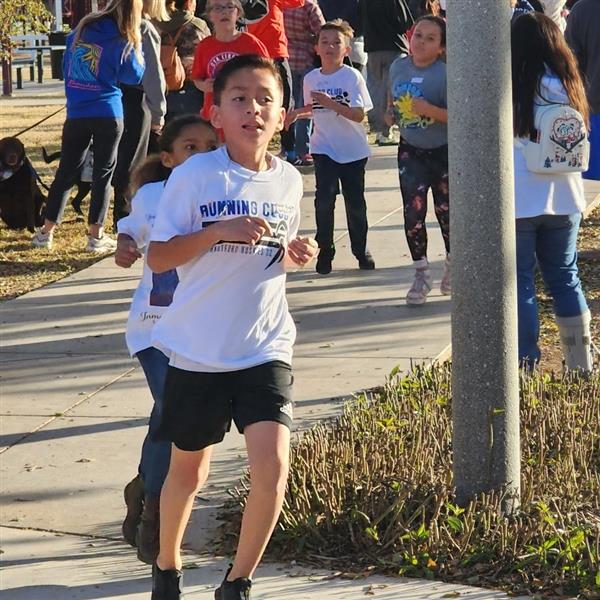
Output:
x=75 y=406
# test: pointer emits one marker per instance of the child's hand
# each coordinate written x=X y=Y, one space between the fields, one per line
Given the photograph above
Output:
x=302 y=250
x=246 y=230
x=323 y=99
x=127 y=252
x=290 y=119
x=421 y=107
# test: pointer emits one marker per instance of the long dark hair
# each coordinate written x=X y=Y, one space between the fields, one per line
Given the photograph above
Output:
x=152 y=169
x=537 y=43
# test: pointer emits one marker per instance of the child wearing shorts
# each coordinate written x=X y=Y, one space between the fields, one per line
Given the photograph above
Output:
x=228 y=223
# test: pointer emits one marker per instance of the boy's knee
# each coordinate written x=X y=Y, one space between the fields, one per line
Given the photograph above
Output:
x=189 y=478
x=271 y=478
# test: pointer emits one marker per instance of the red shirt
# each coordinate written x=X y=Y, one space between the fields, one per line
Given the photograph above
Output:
x=211 y=55
x=270 y=29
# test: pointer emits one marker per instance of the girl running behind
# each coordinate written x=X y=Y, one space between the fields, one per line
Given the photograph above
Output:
x=181 y=138
x=417 y=103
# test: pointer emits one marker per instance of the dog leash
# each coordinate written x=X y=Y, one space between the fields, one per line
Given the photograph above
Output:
x=27 y=162
x=39 y=122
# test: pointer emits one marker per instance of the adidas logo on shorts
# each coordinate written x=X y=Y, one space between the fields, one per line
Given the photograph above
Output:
x=287 y=409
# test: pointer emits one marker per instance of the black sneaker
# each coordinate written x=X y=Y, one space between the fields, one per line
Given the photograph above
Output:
x=366 y=262
x=147 y=537
x=238 y=589
x=166 y=585
x=324 y=260
x=134 y=500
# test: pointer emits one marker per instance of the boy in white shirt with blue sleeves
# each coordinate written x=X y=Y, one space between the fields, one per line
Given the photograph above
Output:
x=231 y=232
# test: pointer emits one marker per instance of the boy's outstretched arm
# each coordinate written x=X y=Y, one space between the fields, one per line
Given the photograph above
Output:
x=163 y=256
x=300 y=252
x=299 y=113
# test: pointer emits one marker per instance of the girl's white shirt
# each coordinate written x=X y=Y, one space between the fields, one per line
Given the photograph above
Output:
x=557 y=194
x=138 y=225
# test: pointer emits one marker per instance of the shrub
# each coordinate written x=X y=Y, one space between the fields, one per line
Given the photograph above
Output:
x=373 y=489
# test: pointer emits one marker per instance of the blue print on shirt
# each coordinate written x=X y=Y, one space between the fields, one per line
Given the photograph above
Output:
x=163 y=288
x=85 y=62
x=403 y=94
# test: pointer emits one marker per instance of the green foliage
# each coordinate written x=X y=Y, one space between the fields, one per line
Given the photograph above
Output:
x=374 y=488
x=18 y=17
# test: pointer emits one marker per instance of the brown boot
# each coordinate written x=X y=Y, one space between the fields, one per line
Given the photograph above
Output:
x=148 y=531
x=134 y=500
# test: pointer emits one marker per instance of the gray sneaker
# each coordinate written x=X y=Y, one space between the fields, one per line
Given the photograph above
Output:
x=42 y=240
x=446 y=286
x=101 y=245
x=421 y=286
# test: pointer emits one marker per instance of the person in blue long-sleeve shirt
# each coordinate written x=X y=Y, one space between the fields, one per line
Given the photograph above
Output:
x=102 y=53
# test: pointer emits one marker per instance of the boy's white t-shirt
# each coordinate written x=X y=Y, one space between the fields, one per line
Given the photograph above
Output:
x=155 y=290
x=339 y=138
x=229 y=311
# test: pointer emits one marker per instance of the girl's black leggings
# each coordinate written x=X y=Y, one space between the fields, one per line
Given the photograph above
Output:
x=104 y=133
x=419 y=171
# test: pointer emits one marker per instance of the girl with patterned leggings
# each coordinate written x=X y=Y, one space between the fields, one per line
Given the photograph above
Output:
x=417 y=103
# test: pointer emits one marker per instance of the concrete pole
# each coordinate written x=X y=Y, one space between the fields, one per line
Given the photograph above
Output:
x=485 y=393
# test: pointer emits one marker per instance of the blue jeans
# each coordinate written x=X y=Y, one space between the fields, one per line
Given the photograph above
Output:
x=156 y=455
x=302 y=127
x=551 y=240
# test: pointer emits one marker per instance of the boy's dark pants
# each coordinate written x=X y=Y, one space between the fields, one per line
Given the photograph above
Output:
x=329 y=174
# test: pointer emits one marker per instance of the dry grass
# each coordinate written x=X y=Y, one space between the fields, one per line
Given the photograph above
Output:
x=25 y=268
x=372 y=492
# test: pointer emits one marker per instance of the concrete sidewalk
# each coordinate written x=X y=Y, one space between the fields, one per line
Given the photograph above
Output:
x=75 y=407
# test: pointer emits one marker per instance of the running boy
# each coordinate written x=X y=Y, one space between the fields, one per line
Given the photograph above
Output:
x=337 y=98
x=228 y=222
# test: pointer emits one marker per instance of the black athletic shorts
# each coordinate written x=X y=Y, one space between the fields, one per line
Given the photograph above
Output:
x=198 y=407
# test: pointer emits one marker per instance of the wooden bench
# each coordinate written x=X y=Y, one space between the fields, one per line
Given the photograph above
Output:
x=23 y=58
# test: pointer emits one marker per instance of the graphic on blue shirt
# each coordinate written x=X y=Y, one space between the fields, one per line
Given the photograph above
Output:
x=163 y=288
x=403 y=94
x=85 y=62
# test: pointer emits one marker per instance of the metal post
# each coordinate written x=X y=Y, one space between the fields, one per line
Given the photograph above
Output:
x=485 y=394
x=58 y=15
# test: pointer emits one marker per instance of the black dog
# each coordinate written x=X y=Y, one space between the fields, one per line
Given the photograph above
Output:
x=21 y=199
x=84 y=181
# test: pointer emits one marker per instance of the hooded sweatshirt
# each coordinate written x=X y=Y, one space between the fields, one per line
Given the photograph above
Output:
x=94 y=67
x=153 y=82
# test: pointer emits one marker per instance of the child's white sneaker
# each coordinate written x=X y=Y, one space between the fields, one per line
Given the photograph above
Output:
x=101 y=245
x=446 y=286
x=421 y=286
x=42 y=240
